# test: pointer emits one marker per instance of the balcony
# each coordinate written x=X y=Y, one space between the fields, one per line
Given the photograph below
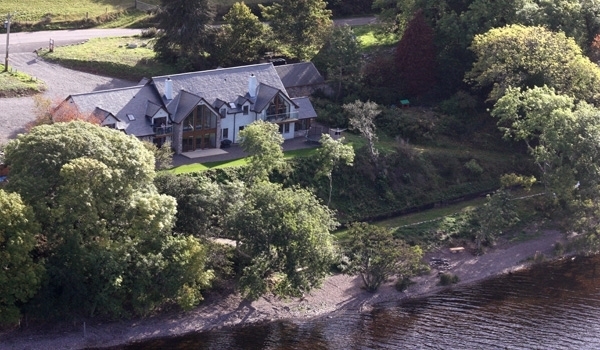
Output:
x=162 y=130
x=281 y=117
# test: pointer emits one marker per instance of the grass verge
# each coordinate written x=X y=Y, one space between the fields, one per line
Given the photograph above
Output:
x=13 y=84
x=116 y=57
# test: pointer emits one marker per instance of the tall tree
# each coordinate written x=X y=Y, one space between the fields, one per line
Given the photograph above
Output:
x=523 y=57
x=361 y=116
x=283 y=238
x=186 y=36
x=415 y=56
x=376 y=256
x=242 y=37
x=104 y=225
x=262 y=141
x=331 y=154
x=300 y=26
x=20 y=275
x=340 y=57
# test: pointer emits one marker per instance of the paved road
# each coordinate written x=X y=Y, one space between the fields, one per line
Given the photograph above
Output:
x=29 y=41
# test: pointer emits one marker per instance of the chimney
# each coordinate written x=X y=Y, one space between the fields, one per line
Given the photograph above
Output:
x=252 y=85
x=169 y=89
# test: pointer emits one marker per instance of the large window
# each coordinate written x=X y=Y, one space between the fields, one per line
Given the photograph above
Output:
x=199 y=129
x=277 y=107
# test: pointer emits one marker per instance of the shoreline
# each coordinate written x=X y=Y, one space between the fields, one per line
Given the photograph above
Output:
x=338 y=292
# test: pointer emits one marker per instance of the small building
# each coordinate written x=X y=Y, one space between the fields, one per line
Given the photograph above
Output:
x=198 y=110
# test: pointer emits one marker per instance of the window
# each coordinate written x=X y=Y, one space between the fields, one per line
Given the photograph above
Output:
x=130 y=117
x=225 y=133
x=223 y=112
x=241 y=128
x=245 y=110
x=286 y=127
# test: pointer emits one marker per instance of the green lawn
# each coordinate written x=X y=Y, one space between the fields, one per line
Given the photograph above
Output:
x=371 y=37
x=191 y=168
x=18 y=84
x=56 y=11
x=32 y=11
x=112 y=57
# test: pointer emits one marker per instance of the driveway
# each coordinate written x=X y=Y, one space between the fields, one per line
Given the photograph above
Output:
x=61 y=82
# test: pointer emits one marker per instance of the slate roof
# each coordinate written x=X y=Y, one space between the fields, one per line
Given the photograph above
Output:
x=306 y=108
x=120 y=102
x=299 y=74
x=226 y=84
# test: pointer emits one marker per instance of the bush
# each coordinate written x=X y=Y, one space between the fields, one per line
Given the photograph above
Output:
x=149 y=33
x=447 y=279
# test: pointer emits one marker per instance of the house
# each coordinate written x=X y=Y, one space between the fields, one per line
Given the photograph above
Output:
x=198 y=110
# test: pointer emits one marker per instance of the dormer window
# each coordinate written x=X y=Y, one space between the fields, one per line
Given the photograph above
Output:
x=245 y=110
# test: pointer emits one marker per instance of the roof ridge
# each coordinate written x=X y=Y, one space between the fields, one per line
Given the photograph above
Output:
x=108 y=90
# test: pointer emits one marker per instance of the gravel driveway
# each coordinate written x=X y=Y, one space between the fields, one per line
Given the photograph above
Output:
x=61 y=82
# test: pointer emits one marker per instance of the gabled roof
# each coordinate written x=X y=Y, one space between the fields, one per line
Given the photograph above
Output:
x=265 y=95
x=225 y=84
x=120 y=102
x=299 y=74
x=187 y=103
x=152 y=108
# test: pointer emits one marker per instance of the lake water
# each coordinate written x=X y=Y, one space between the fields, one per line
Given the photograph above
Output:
x=551 y=306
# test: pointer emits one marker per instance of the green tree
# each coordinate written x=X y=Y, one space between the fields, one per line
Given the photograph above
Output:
x=362 y=118
x=330 y=155
x=103 y=222
x=497 y=214
x=546 y=122
x=340 y=58
x=241 y=39
x=20 y=275
x=186 y=36
x=300 y=26
x=523 y=57
x=283 y=238
x=263 y=142
x=376 y=256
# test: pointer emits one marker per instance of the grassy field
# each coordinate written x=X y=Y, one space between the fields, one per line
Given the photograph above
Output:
x=63 y=10
x=112 y=57
x=18 y=84
x=34 y=11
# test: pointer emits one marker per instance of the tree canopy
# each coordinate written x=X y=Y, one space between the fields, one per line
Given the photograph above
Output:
x=20 y=275
x=299 y=26
x=242 y=38
x=523 y=57
x=262 y=141
x=186 y=37
x=340 y=58
x=107 y=231
x=376 y=256
x=416 y=56
x=283 y=234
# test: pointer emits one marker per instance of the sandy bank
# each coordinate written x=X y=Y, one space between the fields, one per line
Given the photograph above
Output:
x=338 y=292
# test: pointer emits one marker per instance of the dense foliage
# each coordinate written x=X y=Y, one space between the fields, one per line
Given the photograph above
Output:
x=376 y=256
x=20 y=274
x=108 y=247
